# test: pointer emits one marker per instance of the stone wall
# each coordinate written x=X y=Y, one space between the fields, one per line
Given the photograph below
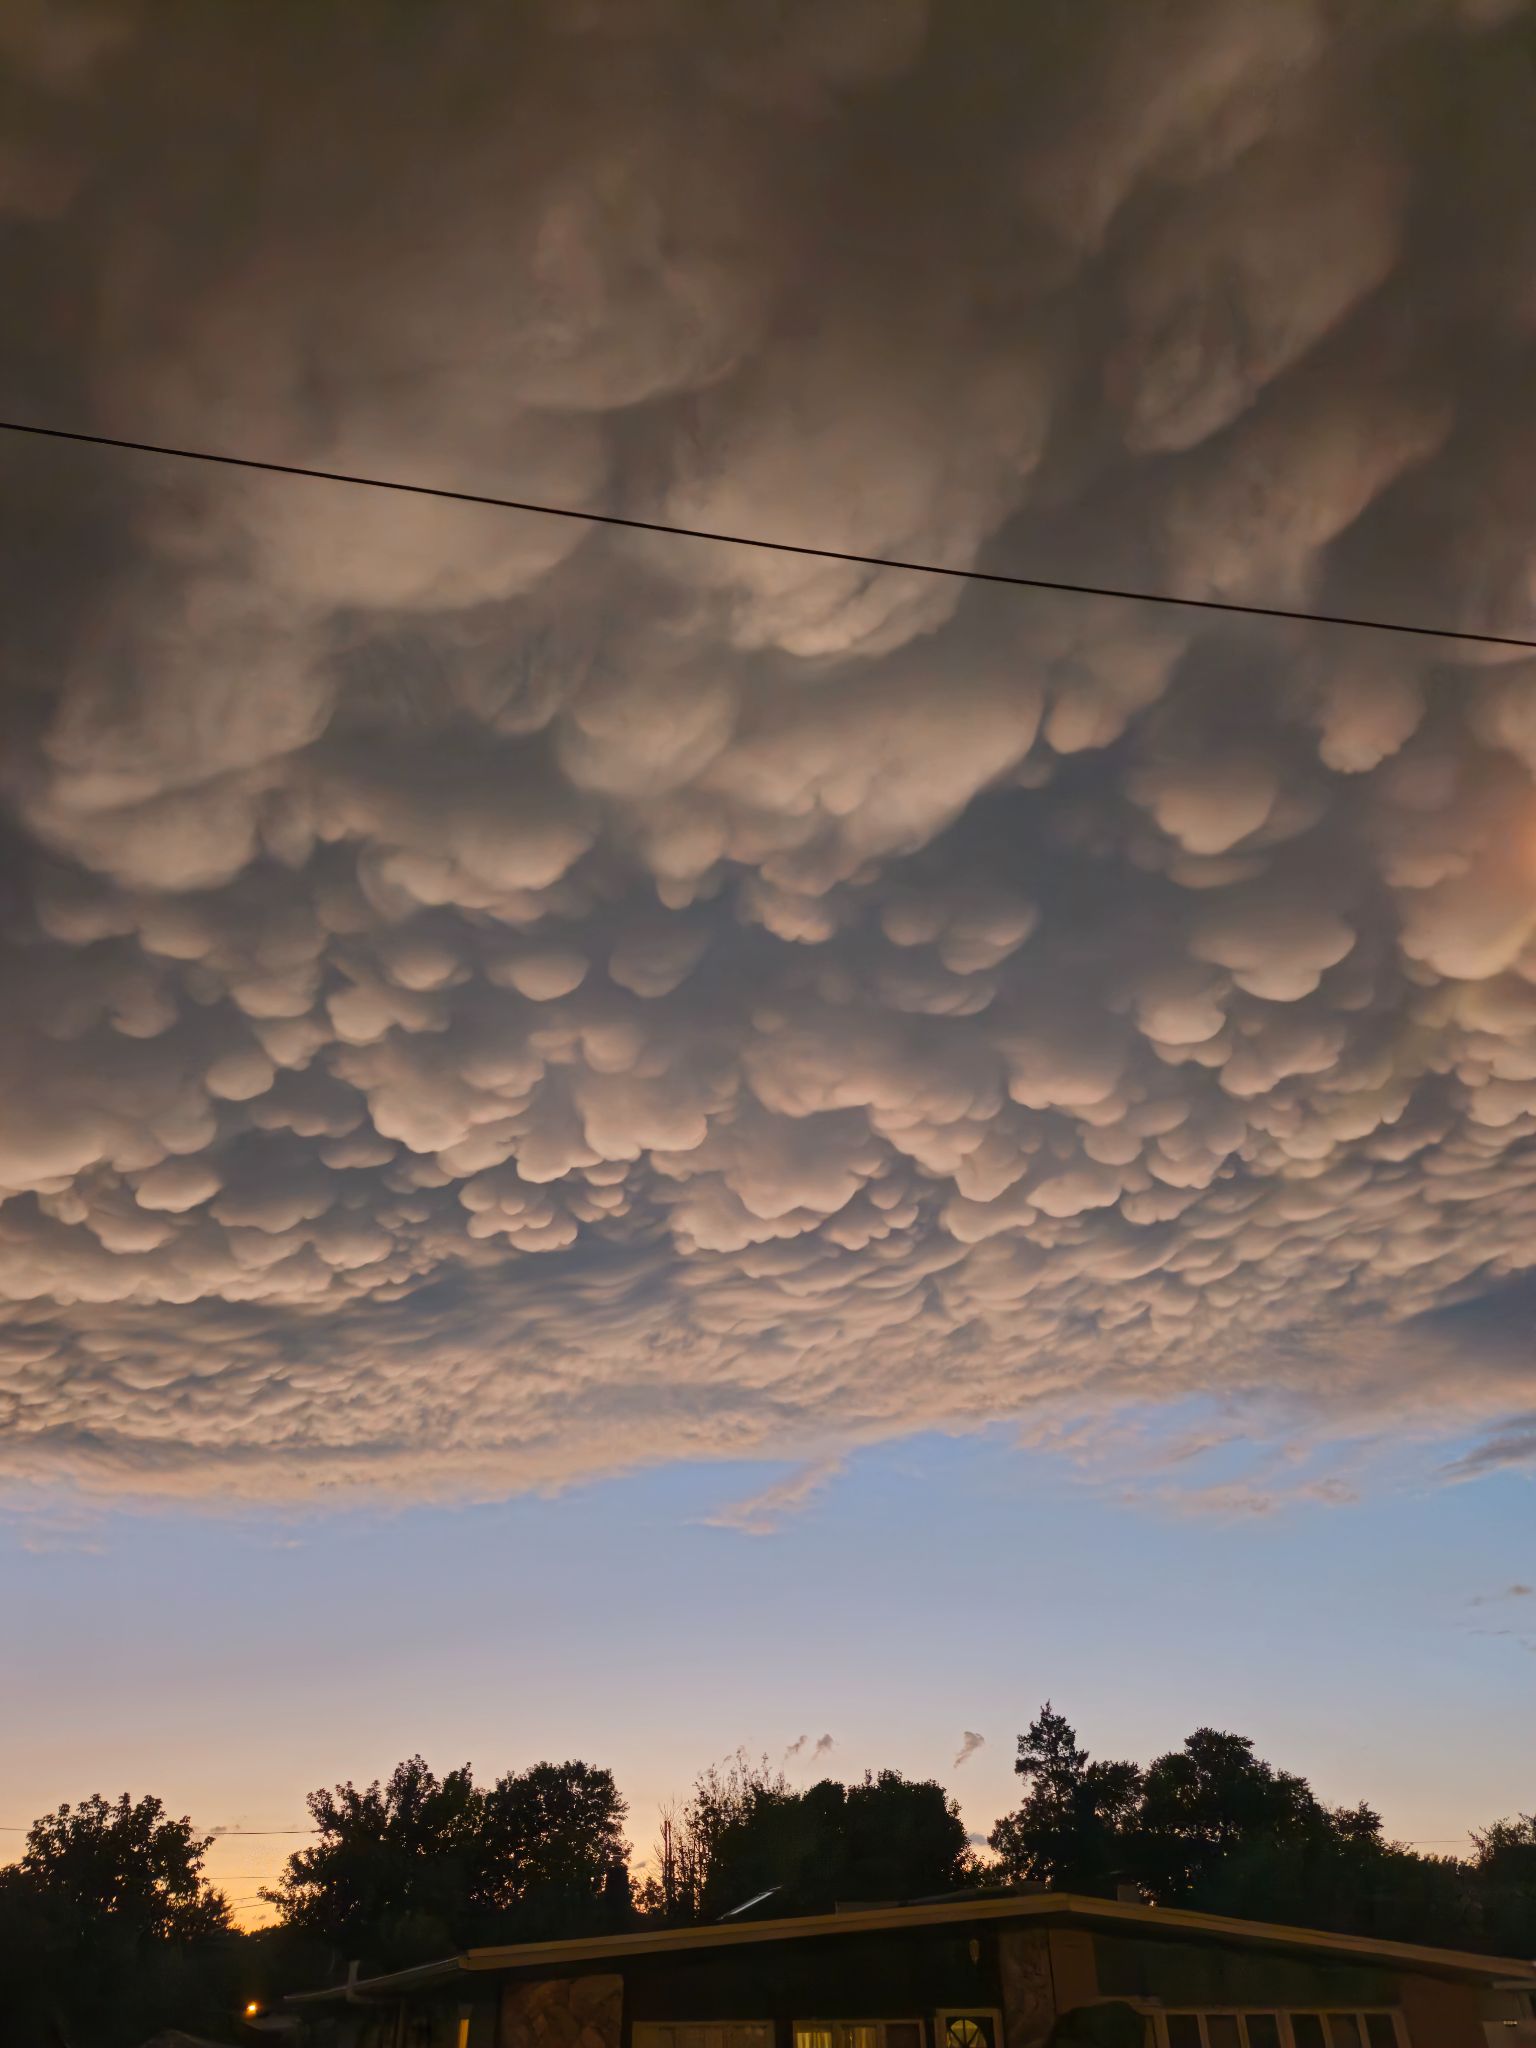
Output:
x=1024 y=1971
x=563 y=2012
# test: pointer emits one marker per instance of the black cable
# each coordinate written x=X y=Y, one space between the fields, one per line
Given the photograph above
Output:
x=777 y=547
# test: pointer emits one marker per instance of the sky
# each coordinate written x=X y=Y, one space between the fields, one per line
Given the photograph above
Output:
x=236 y=1665
x=596 y=1082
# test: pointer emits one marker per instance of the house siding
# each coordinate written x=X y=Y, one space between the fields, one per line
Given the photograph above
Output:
x=863 y=1977
x=1201 y=1975
x=1441 y=2013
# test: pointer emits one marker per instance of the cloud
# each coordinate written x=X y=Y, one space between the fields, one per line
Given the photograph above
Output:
x=50 y=1528
x=970 y=1742
x=764 y=1512
x=1513 y=1444
x=823 y=1747
x=492 y=1002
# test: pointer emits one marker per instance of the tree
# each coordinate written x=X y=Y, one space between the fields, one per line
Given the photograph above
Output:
x=902 y=1838
x=108 y=1924
x=744 y=1831
x=408 y=1868
x=687 y=1851
x=391 y=1875
x=123 y=1863
x=1203 y=1803
x=1070 y=1829
x=553 y=1853
x=1213 y=1826
x=1504 y=1866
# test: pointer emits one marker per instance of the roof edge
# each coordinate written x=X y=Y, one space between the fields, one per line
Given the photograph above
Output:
x=361 y=1989
x=1041 y=1905
x=873 y=1919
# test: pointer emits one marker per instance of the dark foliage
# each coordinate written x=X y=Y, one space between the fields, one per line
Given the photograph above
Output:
x=419 y=1865
x=107 y=1925
x=1214 y=1827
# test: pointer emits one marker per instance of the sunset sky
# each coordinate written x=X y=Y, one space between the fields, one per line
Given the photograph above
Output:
x=619 y=1146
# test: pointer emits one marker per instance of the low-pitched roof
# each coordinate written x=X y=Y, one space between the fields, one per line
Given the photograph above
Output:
x=1163 y=1920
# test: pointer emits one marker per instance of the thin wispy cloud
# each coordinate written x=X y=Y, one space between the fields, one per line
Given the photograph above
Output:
x=763 y=1513
x=970 y=1742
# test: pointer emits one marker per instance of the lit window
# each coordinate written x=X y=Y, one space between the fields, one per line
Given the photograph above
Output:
x=968 y=2030
x=858 y=2034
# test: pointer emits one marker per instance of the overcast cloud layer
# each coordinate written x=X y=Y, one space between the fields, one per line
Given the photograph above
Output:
x=490 y=1001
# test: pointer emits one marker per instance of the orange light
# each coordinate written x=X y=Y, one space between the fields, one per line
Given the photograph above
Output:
x=252 y=2009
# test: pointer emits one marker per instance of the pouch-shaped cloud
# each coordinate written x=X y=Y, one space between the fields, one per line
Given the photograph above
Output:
x=491 y=1001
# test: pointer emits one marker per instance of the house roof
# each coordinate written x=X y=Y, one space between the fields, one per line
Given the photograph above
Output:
x=1042 y=1906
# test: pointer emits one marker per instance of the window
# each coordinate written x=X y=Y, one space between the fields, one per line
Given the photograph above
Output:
x=1273 y=2030
x=702 y=2034
x=858 y=2034
x=974 y=2029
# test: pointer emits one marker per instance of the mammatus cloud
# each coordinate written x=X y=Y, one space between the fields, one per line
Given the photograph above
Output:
x=490 y=1002
x=970 y=1742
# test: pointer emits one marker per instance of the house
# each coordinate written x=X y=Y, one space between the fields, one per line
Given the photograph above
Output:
x=977 y=1971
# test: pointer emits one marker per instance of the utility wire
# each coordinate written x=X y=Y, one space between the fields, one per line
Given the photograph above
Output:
x=777 y=547
x=223 y=1834
x=219 y=1834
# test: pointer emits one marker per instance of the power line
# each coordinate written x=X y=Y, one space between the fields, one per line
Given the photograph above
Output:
x=224 y=1834
x=219 y=1834
x=776 y=547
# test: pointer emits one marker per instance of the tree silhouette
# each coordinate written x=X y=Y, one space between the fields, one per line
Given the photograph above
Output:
x=122 y=1864
x=1213 y=1826
x=688 y=1847
x=1070 y=1829
x=106 y=1918
x=416 y=1865
x=392 y=1872
x=553 y=1853
x=744 y=1830
x=1504 y=1863
x=1203 y=1803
